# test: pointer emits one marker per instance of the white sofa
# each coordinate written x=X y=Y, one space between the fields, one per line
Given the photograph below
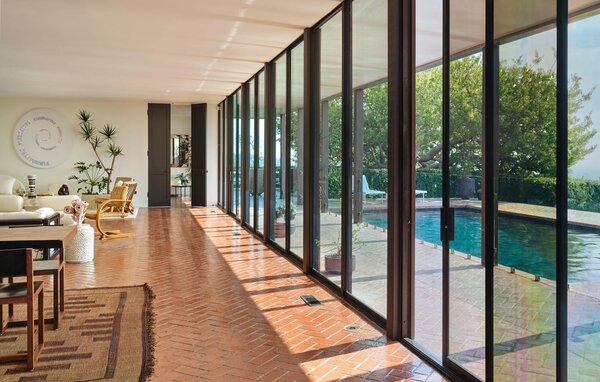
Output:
x=47 y=207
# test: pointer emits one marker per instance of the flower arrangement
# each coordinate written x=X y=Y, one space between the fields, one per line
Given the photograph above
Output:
x=77 y=210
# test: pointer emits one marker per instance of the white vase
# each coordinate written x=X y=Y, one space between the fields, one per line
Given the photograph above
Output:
x=81 y=248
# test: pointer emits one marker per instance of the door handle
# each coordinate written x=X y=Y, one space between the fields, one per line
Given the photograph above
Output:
x=447 y=224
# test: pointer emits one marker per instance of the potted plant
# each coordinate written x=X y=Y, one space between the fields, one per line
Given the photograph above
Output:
x=100 y=139
x=183 y=179
x=333 y=260
x=280 y=219
x=91 y=178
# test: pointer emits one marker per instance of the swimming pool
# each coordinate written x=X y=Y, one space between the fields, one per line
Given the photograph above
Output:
x=523 y=243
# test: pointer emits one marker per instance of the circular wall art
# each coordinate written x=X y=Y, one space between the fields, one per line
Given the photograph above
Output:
x=43 y=138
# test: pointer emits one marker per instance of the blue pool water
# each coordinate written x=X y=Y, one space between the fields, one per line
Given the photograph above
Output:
x=523 y=243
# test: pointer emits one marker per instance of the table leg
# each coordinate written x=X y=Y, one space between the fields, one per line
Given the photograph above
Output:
x=62 y=281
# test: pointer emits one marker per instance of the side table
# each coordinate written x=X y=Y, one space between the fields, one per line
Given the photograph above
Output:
x=81 y=248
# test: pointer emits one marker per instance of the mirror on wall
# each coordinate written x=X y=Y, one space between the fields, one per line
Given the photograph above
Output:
x=180 y=150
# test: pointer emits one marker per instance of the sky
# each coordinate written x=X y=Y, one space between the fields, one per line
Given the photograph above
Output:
x=584 y=59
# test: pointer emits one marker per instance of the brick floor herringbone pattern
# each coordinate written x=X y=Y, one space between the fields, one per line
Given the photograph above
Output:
x=229 y=309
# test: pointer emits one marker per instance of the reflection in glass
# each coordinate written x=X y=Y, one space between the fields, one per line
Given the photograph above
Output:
x=370 y=134
x=328 y=245
x=297 y=151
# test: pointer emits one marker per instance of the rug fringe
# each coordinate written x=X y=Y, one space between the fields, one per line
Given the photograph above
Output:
x=150 y=321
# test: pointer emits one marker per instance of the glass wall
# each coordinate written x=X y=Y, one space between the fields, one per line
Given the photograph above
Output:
x=584 y=199
x=235 y=166
x=466 y=302
x=328 y=256
x=279 y=174
x=251 y=185
x=525 y=309
x=297 y=150
x=454 y=139
x=427 y=270
x=260 y=146
x=370 y=146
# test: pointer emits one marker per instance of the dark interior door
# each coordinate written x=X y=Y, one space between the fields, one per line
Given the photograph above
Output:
x=159 y=165
x=199 y=154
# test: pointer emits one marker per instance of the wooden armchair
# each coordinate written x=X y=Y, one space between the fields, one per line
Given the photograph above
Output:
x=115 y=206
x=15 y=263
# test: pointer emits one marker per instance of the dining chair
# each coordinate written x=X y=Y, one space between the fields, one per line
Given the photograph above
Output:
x=54 y=267
x=17 y=263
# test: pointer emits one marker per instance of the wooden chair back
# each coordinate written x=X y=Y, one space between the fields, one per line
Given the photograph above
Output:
x=16 y=262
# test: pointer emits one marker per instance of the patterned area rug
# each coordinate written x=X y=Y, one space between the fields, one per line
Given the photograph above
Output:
x=106 y=334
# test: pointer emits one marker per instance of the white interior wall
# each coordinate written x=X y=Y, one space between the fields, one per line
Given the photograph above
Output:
x=129 y=117
x=212 y=139
x=131 y=120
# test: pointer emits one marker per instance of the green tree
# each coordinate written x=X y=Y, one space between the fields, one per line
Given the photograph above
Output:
x=527 y=118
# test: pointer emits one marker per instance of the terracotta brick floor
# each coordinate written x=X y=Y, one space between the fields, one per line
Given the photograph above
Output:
x=229 y=309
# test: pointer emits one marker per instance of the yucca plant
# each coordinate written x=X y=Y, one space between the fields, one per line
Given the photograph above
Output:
x=101 y=140
x=90 y=176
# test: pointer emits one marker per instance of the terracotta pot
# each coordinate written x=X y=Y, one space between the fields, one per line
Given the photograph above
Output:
x=333 y=263
x=279 y=229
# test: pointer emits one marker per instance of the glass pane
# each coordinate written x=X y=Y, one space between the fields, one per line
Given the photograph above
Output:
x=234 y=158
x=467 y=274
x=370 y=134
x=428 y=199
x=251 y=141
x=525 y=309
x=328 y=252
x=297 y=151
x=279 y=174
x=584 y=199
x=238 y=152
x=260 y=186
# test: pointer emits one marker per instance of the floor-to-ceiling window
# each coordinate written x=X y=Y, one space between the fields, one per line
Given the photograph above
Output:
x=297 y=150
x=235 y=158
x=251 y=182
x=525 y=309
x=370 y=153
x=279 y=175
x=260 y=147
x=328 y=251
x=453 y=144
x=239 y=153
x=466 y=300
x=427 y=268
x=584 y=199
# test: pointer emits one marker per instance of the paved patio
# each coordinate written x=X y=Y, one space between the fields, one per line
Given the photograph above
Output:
x=524 y=311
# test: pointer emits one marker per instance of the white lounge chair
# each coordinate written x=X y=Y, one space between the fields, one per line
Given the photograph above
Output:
x=422 y=193
x=367 y=191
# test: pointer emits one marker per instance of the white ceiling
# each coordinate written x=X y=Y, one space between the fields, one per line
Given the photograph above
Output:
x=153 y=50
x=187 y=51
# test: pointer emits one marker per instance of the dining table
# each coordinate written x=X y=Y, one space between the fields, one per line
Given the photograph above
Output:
x=36 y=236
x=46 y=238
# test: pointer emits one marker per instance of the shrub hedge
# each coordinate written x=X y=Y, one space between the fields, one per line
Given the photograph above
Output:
x=583 y=194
